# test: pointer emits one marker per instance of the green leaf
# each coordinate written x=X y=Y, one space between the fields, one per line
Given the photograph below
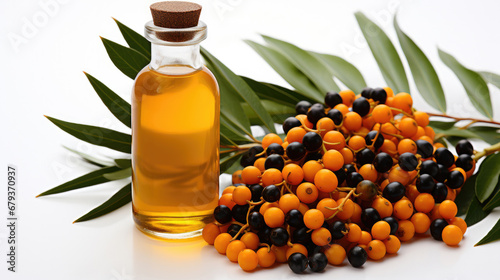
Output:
x=465 y=196
x=123 y=162
x=117 y=106
x=278 y=112
x=347 y=73
x=229 y=131
x=495 y=200
x=240 y=88
x=230 y=107
x=424 y=75
x=385 y=54
x=119 y=199
x=487 y=177
x=118 y=175
x=135 y=40
x=288 y=71
x=441 y=125
x=491 y=78
x=492 y=235
x=276 y=93
x=474 y=84
x=91 y=159
x=127 y=60
x=96 y=135
x=489 y=134
x=455 y=131
x=305 y=62
x=228 y=161
x=475 y=213
x=87 y=180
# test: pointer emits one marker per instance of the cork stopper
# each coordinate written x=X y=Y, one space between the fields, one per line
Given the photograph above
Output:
x=175 y=15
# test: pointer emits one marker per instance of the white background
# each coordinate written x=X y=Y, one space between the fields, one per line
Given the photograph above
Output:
x=42 y=74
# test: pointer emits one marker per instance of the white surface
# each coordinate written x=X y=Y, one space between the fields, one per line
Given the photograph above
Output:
x=43 y=76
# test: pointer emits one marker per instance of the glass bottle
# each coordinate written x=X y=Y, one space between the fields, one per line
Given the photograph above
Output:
x=175 y=136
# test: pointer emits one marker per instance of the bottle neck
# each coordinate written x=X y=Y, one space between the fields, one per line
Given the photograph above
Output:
x=175 y=60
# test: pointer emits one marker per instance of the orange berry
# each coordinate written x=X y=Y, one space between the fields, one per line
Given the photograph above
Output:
x=357 y=142
x=347 y=155
x=325 y=180
x=407 y=146
x=236 y=177
x=310 y=169
x=260 y=164
x=266 y=206
x=376 y=250
x=241 y=194
x=421 y=118
x=368 y=172
x=356 y=214
x=324 y=125
x=448 y=209
x=392 y=244
x=336 y=140
x=227 y=199
x=389 y=91
x=274 y=217
x=303 y=119
x=352 y=121
x=295 y=134
x=248 y=260
x=221 y=242
x=348 y=97
x=321 y=236
x=314 y=219
x=421 y=222
x=266 y=257
x=271 y=176
x=251 y=240
x=399 y=175
x=383 y=206
x=210 y=232
x=420 y=133
x=228 y=189
x=381 y=230
x=335 y=254
x=347 y=210
x=288 y=202
x=382 y=113
x=307 y=192
x=333 y=160
x=403 y=209
x=452 y=235
x=424 y=203
x=369 y=122
x=326 y=202
x=459 y=222
x=387 y=129
x=296 y=248
x=389 y=147
x=354 y=234
x=365 y=238
x=406 y=230
x=408 y=127
x=293 y=174
x=342 y=108
x=429 y=131
x=269 y=139
x=403 y=101
x=303 y=208
x=280 y=253
x=251 y=175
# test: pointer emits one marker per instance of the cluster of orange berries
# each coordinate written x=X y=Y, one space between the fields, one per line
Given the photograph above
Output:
x=352 y=179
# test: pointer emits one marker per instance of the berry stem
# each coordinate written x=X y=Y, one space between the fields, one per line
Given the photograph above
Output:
x=488 y=151
x=463 y=119
x=340 y=208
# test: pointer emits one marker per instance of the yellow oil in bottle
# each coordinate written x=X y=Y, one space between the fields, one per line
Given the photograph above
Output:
x=175 y=140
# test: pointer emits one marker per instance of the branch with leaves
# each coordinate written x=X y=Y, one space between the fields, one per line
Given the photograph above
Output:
x=246 y=102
